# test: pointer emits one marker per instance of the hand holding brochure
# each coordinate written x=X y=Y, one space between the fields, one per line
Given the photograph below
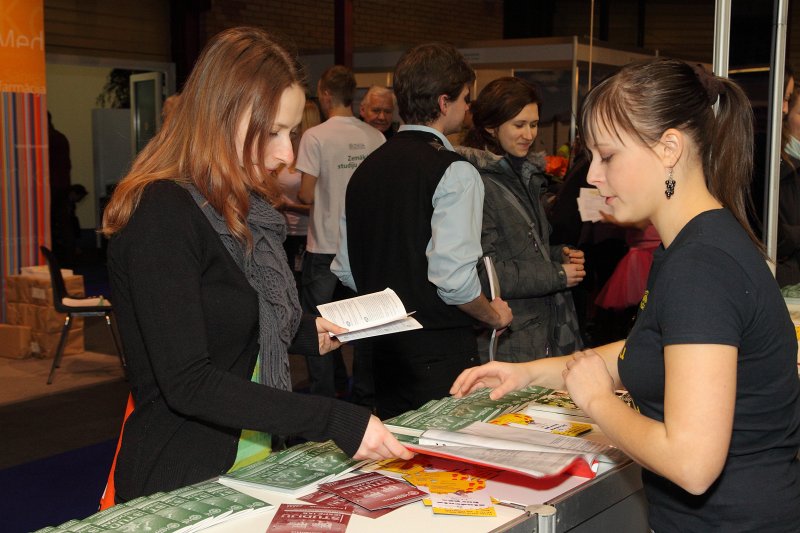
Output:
x=378 y=313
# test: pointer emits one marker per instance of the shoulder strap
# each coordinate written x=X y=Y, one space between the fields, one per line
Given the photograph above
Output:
x=516 y=204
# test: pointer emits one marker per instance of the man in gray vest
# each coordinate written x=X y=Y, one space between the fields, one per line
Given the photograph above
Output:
x=412 y=222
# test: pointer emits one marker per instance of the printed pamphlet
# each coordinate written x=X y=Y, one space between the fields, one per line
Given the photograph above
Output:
x=370 y=315
x=300 y=518
x=296 y=470
x=188 y=509
x=374 y=491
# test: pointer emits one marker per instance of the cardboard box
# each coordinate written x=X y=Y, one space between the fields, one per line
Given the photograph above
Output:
x=38 y=317
x=37 y=289
x=15 y=341
x=43 y=345
x=29 y=303
x=42 y=271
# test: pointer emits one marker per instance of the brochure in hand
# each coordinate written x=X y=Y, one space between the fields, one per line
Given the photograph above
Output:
x=494 y=292
x=296 y=470
x=370 y=315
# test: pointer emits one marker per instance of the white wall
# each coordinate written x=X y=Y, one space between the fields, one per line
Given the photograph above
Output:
x=71 y=94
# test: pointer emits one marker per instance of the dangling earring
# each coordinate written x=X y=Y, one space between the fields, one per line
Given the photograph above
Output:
x=670 y=183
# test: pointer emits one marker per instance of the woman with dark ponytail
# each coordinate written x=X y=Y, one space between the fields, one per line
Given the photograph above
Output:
x=711 y=359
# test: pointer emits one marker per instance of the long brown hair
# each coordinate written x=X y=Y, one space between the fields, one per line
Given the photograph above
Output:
x=500 y=101
x=644 y=99
x=240 y=69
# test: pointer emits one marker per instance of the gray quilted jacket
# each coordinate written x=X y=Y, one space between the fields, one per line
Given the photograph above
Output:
x=527 y=279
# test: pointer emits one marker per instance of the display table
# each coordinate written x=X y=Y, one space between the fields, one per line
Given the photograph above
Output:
x=612 y=501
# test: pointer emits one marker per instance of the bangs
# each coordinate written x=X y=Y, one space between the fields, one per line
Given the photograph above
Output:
x=607 y=110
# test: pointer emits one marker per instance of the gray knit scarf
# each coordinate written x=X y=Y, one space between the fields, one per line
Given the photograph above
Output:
x=268 y=273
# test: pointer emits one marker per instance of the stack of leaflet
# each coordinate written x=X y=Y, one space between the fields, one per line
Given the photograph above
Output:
x=184 y=510
x=296 y=470
x=455 y=413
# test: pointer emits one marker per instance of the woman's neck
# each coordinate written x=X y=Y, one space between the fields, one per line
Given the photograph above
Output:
x=692 y=199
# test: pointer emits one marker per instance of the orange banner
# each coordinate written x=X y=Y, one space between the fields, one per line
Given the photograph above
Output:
x=22 y=46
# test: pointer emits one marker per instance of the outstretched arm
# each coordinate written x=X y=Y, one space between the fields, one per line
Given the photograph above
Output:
x=548 y=372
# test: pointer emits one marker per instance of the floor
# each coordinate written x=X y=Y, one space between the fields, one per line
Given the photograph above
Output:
x=82 y=407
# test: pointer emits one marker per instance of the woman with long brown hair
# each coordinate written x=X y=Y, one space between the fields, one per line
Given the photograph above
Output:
x=711 y=359
x=205 y=301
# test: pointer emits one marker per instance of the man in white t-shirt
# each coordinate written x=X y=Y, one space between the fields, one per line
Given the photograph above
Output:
x=328 y=155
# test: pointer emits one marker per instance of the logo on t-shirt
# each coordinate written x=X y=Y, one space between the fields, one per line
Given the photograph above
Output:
x=643 y=303
x=358 y=146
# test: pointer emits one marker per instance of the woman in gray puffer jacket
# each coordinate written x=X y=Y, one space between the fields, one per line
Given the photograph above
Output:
x=534 y=276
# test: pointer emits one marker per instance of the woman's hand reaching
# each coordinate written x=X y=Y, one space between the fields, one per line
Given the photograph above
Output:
x=501 y=377
x=378 y=443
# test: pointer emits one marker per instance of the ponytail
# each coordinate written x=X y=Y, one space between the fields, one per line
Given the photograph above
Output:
x=729 y=164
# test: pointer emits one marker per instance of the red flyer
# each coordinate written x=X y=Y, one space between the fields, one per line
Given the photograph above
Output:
x=298 y=518
x=328 y=498
x=374 y=491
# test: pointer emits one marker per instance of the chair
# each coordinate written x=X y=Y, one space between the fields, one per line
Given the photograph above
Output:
x=74 y=309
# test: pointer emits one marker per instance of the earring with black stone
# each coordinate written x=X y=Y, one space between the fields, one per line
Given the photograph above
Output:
x=670 y=183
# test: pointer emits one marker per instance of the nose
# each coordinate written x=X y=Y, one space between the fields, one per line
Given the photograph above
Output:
x=527 y=133
x=594 y=176
x=284 y=151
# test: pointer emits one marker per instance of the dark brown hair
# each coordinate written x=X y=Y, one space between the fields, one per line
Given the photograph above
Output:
x=424 y=73
x=645 y=99
x=340 y=82
x=500 y=101
x=240 y=69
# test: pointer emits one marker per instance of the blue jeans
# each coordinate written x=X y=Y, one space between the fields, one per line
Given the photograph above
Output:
x=327 y=374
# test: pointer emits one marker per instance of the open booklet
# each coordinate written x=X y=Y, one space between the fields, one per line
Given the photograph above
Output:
x=370 y=315
x=532 y=453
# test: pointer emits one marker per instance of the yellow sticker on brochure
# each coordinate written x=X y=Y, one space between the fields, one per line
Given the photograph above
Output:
x=485 y=511
x=474 y=504
x=446 y=482
x=512 y=418
x=569 y=429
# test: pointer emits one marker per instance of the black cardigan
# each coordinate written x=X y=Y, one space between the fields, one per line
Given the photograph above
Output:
x=189 y=325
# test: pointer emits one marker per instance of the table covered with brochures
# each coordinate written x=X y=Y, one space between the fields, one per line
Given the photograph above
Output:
x=613 y=501
x=530 y=461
